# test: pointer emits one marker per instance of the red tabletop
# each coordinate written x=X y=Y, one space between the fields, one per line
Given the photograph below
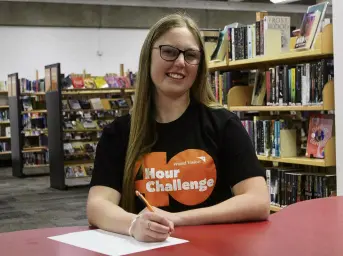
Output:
x=313 y=228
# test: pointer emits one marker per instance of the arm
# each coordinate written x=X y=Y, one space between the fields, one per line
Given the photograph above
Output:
x=103 y=210
x=251 y=202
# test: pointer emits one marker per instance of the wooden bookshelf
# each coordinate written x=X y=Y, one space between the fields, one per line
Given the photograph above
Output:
x=34 y=149
x=296 y=160
x=35 y=111
x=97 y=91
x=323 y=48
x=32 y=93
x=5 y=153
x=282 y=58
x=328 y=161
x=239 y=99
x=5 y=141
x=35 y=165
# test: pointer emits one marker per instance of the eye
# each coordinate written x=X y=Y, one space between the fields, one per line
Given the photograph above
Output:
x=192 y=54
x=169 y=51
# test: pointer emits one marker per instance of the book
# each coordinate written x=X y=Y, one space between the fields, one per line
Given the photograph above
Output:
x=310 y=26
x=282 y=23
x=319 y=133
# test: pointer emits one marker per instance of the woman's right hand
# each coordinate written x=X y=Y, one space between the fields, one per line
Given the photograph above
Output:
x=151 y=227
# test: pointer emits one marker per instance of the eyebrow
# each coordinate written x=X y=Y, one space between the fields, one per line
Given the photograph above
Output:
x=194 y=48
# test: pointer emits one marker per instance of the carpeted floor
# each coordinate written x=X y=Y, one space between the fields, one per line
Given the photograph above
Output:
x=30 y=203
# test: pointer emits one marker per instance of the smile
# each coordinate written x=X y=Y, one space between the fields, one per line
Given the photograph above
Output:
x=175 y=75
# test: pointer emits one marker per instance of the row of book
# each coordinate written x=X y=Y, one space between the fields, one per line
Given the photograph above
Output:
x=32 y=103
x=36 y=158
x=36 y=141
x=34 y=121
x=222 y=82
x=87 y=81
x=82 y=136
x=246 y=41
x=5 y=131
x=84 y=124
x=5 y=146
x=266 y=137
x=79 y=148
x=3 y=86
x=78 y=171
x=94 y=104
x=34 y=132
x=31 y=86
x=4 y=115
x=291 y=185
x=300 y=84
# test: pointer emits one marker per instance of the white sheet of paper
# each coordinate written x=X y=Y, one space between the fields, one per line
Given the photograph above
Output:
x=111 y=243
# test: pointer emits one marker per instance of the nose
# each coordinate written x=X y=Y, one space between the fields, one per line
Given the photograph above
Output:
x=180 y=61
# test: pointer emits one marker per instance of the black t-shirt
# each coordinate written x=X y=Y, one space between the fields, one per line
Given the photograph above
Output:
x=195 y=162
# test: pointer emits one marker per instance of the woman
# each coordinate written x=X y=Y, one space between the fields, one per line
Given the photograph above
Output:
x=191 y=158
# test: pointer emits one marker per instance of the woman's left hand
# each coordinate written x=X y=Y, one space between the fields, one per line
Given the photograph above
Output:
x=173 y=217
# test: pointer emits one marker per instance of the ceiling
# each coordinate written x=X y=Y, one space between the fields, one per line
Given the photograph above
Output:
x=303 y=2
x=228 y=5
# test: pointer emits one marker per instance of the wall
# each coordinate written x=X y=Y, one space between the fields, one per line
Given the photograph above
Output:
x=25 y=49
x=338 y=62
x=83 y=15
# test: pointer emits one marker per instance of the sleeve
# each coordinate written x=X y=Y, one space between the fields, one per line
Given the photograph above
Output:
x=239 y=154
x=109 y=159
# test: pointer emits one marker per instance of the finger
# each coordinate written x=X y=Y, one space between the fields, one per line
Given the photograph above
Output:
x=157 y=218
x=156 y=236
x=154 y=226
x=171 y=226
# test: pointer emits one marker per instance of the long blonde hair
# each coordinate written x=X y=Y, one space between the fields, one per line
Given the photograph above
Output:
x=142 y=130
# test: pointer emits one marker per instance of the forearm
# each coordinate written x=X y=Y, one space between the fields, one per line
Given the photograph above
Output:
x=246 y=207
x=108 y=216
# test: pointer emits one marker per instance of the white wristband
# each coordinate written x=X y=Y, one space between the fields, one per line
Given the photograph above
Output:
x=132 y=222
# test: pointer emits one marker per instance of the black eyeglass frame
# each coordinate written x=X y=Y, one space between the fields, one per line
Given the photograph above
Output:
x=180 y=51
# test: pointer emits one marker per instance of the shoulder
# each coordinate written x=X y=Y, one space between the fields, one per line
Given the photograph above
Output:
x=219 y=118
x=117 y=132
x=121 y=125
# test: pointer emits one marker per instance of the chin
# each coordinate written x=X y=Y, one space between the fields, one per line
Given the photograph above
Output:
x=173 y=92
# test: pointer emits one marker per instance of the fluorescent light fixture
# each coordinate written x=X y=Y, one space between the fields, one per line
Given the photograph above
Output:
x=283 y=1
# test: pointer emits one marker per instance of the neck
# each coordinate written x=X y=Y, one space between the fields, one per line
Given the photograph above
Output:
x=169 y=109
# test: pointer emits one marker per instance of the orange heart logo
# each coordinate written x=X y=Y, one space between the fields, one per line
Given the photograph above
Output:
x=189 y=177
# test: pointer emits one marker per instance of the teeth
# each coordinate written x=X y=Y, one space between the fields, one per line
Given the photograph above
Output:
x=177 y=76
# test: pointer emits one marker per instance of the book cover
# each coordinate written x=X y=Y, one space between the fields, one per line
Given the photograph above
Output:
x=319 y=133
x=282 y=23
x=310 y=26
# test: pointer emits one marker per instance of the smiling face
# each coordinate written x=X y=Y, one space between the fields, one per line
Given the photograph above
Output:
x=174 y=77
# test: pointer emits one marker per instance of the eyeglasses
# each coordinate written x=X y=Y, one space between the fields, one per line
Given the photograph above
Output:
x=170 y=53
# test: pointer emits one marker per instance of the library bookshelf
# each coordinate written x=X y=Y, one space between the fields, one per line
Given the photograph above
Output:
x=239 y=98
x=5 y=137
x=76 y=118
x=323 y=48
x=29 y=143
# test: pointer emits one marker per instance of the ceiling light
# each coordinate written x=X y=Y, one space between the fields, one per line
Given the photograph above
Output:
x=283 y=1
